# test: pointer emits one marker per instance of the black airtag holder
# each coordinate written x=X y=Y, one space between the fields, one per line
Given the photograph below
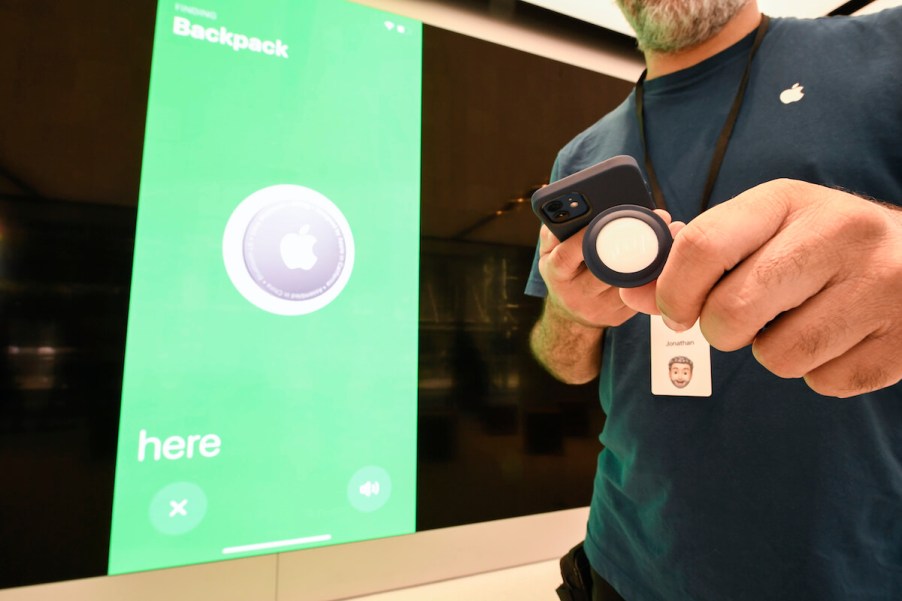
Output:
x=619 y=278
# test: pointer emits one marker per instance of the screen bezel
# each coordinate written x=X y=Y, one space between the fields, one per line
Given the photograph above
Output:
x=340 y=571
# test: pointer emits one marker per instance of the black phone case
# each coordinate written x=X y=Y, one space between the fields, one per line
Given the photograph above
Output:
x=613 y=182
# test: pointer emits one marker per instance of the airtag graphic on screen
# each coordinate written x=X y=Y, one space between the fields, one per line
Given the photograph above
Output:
x=288 y=249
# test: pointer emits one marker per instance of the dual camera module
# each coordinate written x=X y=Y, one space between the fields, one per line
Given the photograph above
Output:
x=566 y=207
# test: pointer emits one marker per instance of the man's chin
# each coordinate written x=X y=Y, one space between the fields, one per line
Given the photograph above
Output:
x=674 y=26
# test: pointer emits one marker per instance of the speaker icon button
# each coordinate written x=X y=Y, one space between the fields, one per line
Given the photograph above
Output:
x=369 y=489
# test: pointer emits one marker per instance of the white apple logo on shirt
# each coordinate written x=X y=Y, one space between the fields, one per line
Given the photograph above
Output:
x=297 y=249
x=793 y=94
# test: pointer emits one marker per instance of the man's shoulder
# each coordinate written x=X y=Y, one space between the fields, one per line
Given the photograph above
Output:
x=834 y=56
x=885 y=23
x=609 y=136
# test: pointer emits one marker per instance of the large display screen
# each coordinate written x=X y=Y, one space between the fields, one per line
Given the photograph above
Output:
x=261 y=283
x=276 y=249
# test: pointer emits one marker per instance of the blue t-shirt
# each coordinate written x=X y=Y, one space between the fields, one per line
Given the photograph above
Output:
x=765 y=490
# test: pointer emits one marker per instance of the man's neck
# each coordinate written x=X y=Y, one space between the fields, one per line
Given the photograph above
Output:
x=745 y=21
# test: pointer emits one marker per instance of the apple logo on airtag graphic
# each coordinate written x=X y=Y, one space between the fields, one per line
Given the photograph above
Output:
x=297 y=249
x=288 y=249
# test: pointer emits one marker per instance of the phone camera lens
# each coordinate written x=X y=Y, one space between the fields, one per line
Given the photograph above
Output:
x=554 y=206
x=561 y=215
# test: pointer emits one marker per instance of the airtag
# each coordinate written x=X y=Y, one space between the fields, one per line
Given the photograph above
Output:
x=626 y=246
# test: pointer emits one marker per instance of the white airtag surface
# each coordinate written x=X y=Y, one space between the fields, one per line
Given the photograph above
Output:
x=627 y=245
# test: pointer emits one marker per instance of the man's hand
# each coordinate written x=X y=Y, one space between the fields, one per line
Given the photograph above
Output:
x=810 y=276
x=572 y=289
x=567 y=337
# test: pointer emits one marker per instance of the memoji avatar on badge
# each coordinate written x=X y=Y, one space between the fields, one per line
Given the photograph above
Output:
x=680 y=370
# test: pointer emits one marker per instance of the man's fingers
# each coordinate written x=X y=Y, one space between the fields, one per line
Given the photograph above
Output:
x=563 y=259
x=784 y=273
x=714 y=243
x=547 y=240
x=801 y=340
x=643 y=299
x=591 y=302
x=856 y=372
x=666 y=217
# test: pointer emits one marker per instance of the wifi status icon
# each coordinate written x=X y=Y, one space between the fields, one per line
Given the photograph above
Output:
x=392 y=26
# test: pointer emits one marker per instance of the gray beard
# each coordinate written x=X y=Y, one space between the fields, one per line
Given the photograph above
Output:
x=673 y=25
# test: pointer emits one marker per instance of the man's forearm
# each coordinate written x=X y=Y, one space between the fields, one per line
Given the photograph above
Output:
x=570 y=351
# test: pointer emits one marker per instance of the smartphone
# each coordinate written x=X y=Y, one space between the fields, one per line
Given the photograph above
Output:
x=569 y=204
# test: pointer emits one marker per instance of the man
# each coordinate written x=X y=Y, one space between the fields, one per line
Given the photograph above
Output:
x=772 y=488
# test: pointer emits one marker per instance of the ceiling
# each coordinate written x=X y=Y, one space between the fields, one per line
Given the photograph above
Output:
x=607 y=15
x=877 y=5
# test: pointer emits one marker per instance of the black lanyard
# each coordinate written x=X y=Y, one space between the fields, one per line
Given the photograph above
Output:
x=722 y=141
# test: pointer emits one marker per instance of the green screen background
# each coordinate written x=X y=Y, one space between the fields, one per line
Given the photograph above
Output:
x=300 y=403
